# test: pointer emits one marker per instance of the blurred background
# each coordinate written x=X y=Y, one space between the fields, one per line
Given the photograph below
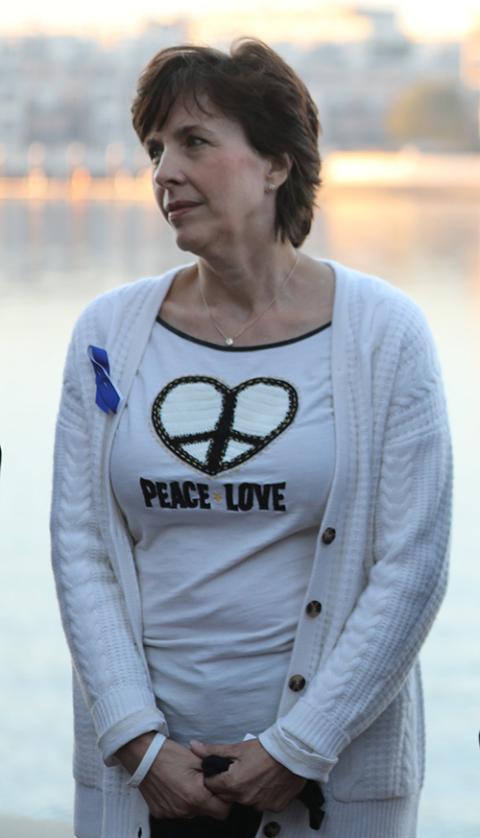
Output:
x=398 y=89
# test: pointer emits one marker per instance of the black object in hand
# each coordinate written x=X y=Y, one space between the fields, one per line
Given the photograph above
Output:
x=311 y=794
x=213 y=764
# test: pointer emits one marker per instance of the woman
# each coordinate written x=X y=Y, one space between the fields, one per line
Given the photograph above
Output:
x=252 y=494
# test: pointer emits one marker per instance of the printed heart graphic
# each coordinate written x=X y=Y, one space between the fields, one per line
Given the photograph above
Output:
x=214 y=427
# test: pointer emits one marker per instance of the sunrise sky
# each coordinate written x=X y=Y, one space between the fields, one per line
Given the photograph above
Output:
x=426 y=19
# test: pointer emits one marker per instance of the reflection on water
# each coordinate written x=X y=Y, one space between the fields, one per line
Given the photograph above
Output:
x=57 y=256
x=399 y=236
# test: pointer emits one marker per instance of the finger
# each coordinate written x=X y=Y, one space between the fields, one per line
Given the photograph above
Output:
x=203 y=749
x=221 y=800
x=218 y=785
x=199 y=748
x=218 y=809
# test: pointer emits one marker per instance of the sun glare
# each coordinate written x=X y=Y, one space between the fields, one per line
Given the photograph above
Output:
x=305 y=21
x=430 y=20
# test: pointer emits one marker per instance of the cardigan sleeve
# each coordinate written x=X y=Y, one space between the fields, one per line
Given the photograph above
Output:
x=111 y=671
x=406 y=582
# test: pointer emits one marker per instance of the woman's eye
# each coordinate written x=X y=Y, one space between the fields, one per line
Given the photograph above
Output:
x=194 y=141
x=154 y=154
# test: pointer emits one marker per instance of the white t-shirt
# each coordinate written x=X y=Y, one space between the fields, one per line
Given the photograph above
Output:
x=222 y=464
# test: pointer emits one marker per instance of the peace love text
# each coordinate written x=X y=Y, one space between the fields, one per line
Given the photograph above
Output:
x=241 y=497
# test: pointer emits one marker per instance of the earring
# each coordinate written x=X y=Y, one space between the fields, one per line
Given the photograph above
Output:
x=271 y=187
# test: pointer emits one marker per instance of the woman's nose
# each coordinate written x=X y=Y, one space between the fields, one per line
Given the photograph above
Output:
x=167 y=170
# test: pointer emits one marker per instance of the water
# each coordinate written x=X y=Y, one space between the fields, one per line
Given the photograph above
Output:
x=56 y=257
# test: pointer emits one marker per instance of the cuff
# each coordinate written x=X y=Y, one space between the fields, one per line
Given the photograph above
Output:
x=119 y=703
x=314 y=730
x=143 y=721
x=296 y=751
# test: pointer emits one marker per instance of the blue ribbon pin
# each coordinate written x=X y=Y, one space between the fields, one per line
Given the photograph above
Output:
x=107 y=396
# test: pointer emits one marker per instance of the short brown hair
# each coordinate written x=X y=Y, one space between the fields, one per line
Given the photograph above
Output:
x=256 y=88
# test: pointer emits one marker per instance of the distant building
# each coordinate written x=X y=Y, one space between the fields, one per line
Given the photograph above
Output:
x=65 y=101
x=355 y=84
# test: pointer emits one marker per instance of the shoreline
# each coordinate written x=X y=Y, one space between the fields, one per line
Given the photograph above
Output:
x=14 y=827
x=406 y=170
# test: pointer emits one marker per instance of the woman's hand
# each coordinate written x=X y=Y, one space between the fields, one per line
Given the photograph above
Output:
x=253 y=779
x=173 y=787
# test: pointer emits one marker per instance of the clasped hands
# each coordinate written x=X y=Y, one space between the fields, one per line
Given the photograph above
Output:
x=175 y=786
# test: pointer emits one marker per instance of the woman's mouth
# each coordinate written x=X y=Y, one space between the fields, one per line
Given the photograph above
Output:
x=178 y=212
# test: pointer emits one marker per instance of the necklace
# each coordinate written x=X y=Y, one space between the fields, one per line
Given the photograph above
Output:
x=230 y=339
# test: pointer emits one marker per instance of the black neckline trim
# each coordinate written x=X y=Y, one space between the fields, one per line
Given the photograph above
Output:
x=240 y=348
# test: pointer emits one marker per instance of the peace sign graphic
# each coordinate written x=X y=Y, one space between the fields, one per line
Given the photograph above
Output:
x=214 y=427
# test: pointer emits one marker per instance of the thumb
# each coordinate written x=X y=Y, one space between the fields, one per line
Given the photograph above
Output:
x=204 y=749
x=200 y=749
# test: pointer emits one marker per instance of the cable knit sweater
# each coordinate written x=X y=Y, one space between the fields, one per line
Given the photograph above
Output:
x=354 y=717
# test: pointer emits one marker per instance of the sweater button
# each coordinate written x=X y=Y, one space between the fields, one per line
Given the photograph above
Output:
x=313 y=608
x=328 y=535
x=297 y=683
x=271 y=829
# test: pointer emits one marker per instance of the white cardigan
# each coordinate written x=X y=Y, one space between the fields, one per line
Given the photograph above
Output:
x=379 y=572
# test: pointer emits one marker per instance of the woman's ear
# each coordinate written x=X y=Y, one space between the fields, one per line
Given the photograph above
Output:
x=279 y=169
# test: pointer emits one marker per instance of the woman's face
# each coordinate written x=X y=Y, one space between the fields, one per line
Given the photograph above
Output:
x=209 y=182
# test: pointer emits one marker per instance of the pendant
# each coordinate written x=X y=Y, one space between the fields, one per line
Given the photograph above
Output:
x=229 y=341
